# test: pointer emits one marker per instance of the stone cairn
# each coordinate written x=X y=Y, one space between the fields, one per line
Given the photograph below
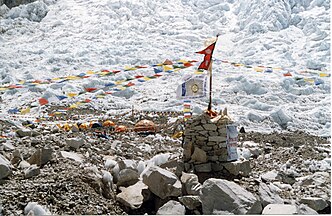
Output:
x=205 y=148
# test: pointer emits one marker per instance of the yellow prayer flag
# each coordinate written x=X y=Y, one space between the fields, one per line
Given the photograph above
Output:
x=119 y=82
x=146 y=78
x=3 y=89
x=70 y=94
x=25 y=111
x=257 y=69
x=167 y=67
x=73 y=106
x=21 y=82
x=324 y=74
x=90 y=72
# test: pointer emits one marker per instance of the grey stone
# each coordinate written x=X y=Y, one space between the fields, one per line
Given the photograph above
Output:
x=206 y=167
x=280 y=209
x=315 y=203
x=190 y=201
x=41 y=156
x=75 y=142
x=5 y=167
x=23 y=164
x=31 y=171
x=127 y=177
x=223 y=195
x=27 y=132
x=238 y=167
x=162 y=182
x=306 y=210
x=172 y=208
x=216 y=167
x=217 y=139
x=199 y=155
x=210 y=127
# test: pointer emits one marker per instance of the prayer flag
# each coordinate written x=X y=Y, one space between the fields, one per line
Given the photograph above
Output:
x=208 y=56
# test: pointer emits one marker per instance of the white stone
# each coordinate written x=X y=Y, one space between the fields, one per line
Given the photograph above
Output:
x=127 y=164
x=269 y=194
x=23 y=164
x=223 y=195
x=75 y=142
x=269 y=176
x=72 y=155
x=162 y=182
x=280 y=209
x=35 y=209
x=191 y=183
x=132 y=195
x=172 y=208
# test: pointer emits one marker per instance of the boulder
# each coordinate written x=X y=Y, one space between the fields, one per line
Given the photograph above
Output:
x=190 y=202
x=238 y=167
x=75 y=142
x=162 y=182
x=269 y=194
x=223 y=195
x=23 y=164
x=132 y=196
x=31 y=171
x=280 y=209
x=127 y=177
x=191 y=183
x=172 y=208
x=27 y=132
x=315 y=203
x=41 y=156
x=5 y=167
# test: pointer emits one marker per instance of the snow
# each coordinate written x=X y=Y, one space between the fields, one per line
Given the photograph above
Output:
x=57 y=38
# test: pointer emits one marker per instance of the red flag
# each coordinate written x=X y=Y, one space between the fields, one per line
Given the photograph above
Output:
x=43 y=101
x=208 y=56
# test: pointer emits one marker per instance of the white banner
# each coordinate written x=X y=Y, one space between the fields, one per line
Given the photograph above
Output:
x=232 y=138
x=193 y=87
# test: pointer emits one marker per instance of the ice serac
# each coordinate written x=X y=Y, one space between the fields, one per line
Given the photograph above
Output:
x=223 y=195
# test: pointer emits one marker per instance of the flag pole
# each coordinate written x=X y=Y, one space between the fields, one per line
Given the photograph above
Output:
x=210 y=71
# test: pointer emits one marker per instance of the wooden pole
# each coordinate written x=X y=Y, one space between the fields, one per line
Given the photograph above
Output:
x=210 y=71
x=210 y=91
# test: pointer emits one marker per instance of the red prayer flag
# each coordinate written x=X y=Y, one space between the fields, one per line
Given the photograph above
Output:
x=90 y=89
x=43 y=101
x=208 y=56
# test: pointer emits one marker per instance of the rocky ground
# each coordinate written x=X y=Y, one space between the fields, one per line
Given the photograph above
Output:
x=76 y=172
